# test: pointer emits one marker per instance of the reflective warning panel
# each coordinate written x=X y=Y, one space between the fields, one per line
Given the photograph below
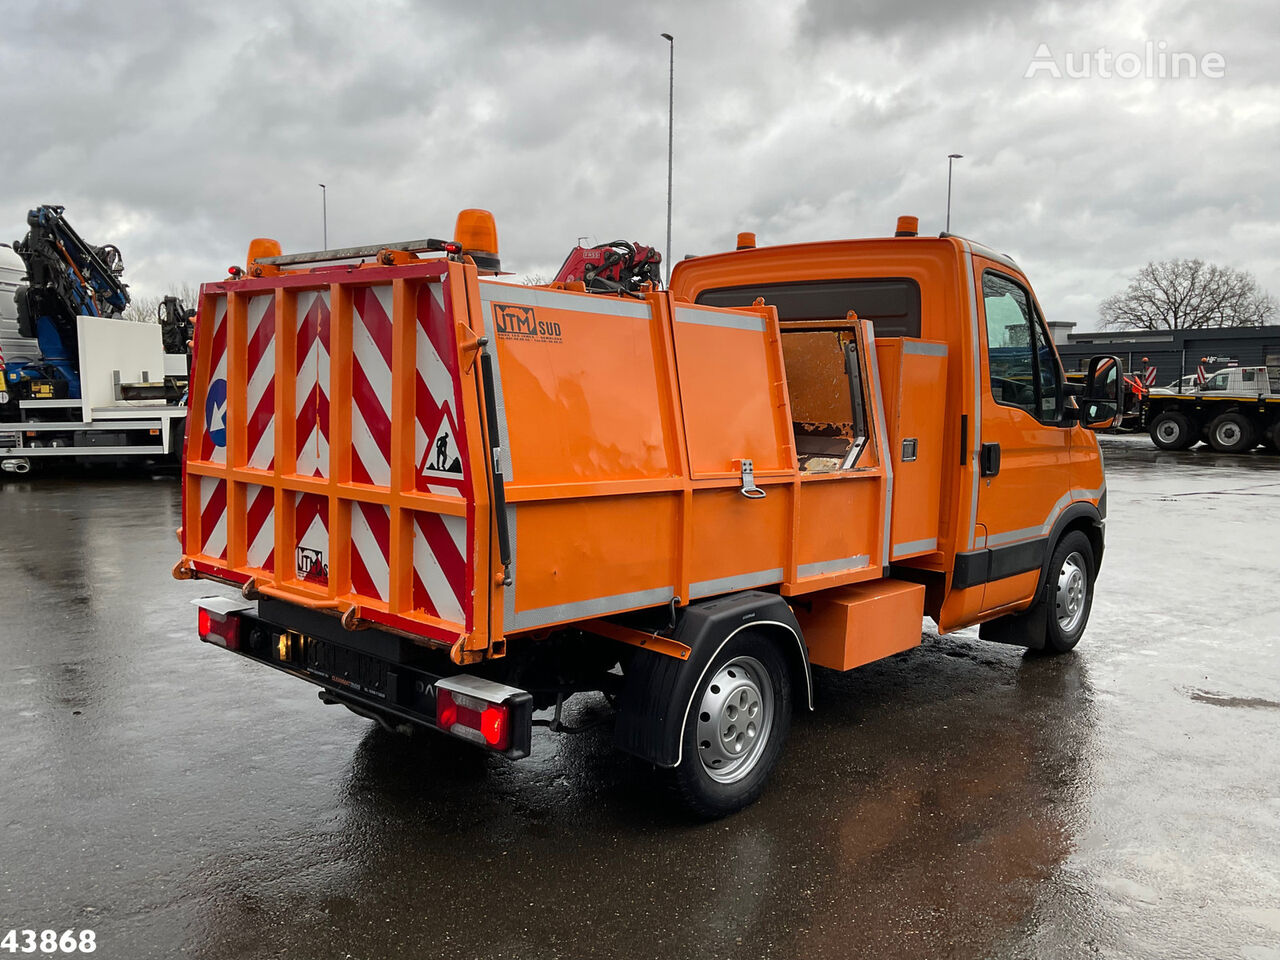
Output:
x=333 y=464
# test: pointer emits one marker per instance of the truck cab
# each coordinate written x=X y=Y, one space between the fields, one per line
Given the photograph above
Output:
x=1238 y=382
x=1021 y=468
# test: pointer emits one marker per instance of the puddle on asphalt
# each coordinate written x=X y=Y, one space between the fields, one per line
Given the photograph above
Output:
x=1226 y=700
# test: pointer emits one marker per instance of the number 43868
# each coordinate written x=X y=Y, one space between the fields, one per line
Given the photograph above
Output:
x=49 y=941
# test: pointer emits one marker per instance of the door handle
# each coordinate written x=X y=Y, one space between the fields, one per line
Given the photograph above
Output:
x=990 y=459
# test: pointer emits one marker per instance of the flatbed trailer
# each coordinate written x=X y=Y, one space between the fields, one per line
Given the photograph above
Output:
x=451 y=501
x=1234 y=410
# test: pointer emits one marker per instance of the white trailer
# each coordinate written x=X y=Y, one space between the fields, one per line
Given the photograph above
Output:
x=118 y=359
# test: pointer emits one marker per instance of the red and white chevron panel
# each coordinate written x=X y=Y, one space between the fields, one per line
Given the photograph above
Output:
x=440 y=446
x=312 y=389
x=371 y=386
x=370 y=550
x=260 y=526
x=213 y=517
x=260 y=420
x=311 y=530
x=439 y=567
x=216 y=416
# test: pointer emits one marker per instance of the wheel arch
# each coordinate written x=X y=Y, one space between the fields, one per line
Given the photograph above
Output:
x=659 y=689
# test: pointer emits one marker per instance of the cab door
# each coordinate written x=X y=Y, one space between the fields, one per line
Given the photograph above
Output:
x=1025 y=475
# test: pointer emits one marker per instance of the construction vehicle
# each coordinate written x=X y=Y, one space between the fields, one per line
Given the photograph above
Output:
x=453 y=502
x=1233 y=410
x=79 y=381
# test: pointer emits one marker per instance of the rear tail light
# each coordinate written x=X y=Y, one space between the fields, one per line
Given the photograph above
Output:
x=474 y=719
x=486 y=713
x=219 y=620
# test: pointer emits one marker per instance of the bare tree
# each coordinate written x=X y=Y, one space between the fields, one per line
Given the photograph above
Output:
x=147 y=309
x=1187 y=294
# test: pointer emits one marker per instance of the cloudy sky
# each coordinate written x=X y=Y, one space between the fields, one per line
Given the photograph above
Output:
x=179 y=131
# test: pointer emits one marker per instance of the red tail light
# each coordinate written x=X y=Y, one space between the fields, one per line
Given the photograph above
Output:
x=473 y=718
x=219 y=620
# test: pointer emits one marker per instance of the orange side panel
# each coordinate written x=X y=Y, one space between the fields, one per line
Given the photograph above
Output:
x=913 y=377
x=733 y=391
x=853 y=625
x=738 y=543
x=585 y=557
x=839 y=528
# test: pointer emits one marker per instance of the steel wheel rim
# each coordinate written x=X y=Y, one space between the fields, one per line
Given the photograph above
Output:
x=735 y=720
x=1228 y=433
x=1168 y=431
x=1073 y=590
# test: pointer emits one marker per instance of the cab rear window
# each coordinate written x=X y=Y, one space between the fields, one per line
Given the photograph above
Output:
x=893 y=304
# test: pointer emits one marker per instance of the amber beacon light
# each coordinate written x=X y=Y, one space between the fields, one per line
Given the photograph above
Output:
x=476 y=231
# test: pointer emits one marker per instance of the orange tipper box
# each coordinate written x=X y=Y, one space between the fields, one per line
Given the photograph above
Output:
x=451 y=501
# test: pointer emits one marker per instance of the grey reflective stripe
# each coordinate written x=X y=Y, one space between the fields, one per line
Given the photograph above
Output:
x=1031 y=533
x=925 y=349
x=886 y=457
x=915 y=546
x=491 y=293
x=716 y=318
x=595 y=607
x=833 y=566
x=707 y=588
x=976 y=450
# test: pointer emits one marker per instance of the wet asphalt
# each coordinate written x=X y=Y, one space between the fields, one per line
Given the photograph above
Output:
x=959 y=800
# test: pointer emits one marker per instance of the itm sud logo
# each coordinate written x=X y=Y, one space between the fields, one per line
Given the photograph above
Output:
x=512 y=322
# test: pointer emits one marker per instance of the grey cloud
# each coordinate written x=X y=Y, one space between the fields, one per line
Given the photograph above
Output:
x=180 y=132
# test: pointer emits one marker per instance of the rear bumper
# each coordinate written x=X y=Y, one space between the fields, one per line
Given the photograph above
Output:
x=367 y=673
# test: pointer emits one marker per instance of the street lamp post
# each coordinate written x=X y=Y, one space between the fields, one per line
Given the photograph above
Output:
x=951 y=158
x=671 y=133
x=324 y=208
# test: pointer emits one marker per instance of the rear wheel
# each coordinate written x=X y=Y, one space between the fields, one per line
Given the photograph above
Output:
x=1172 y=430
x=1231 y=433
x=1069 y=592
x=736 y=725
x=1271 y=437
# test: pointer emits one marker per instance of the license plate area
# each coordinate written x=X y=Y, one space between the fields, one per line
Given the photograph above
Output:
x=340 y=666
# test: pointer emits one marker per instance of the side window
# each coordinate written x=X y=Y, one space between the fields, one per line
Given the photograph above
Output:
x=1021 y=363
x=1049 y=395
x=1217 y=382
x=1010 y=360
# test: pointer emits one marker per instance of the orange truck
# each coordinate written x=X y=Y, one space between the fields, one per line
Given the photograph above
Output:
x=453 y=502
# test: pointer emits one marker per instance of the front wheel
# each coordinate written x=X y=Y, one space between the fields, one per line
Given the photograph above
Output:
x=1070 y=592
x=736 y=725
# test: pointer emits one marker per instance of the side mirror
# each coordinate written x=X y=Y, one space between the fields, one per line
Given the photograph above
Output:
x=1102 y=393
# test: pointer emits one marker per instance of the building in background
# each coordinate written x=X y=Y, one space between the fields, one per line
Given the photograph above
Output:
x=1175 y=353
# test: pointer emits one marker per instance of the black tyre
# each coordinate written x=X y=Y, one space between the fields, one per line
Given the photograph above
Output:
x=1069 y=592
x=1231 y=433
x=1271 y=438
x=735 y=728
x=1172 y=430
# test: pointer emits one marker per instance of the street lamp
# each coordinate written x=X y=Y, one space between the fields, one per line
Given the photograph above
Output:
x=951 y=158
x=324 y=207
x=671 y=133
